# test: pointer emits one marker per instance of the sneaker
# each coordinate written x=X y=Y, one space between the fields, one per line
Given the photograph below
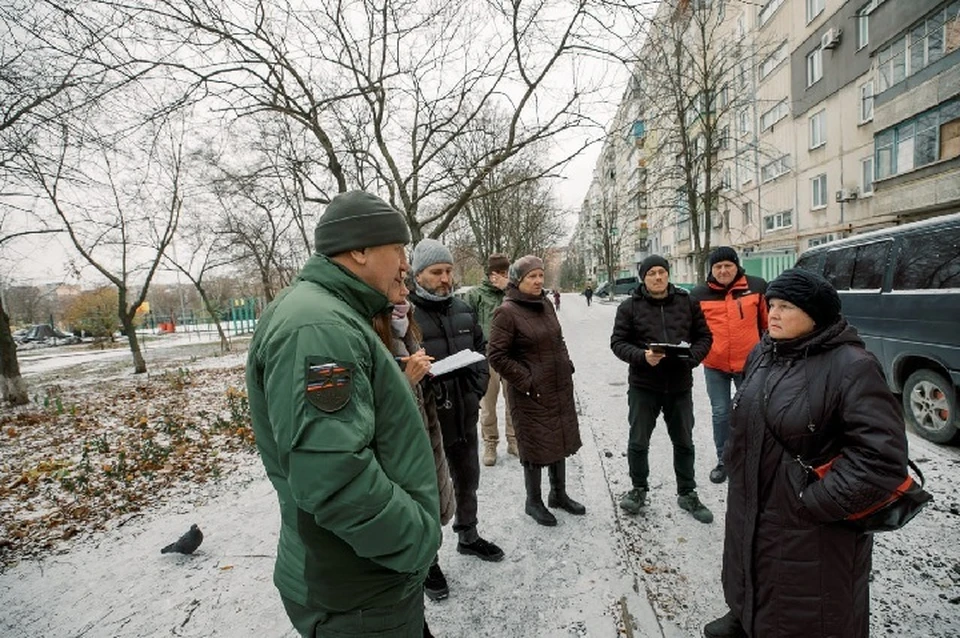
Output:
x=691 y=502
x=484 y=550
x=435 y=586
x=489 y=453
x=633 y=500
x=727 y=626
x=718 y=474
x=512 y=447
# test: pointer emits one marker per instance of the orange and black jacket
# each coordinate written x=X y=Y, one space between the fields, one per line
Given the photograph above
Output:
x=737 y=316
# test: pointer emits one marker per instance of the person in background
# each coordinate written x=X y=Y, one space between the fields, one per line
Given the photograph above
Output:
x=340 y=435
x=402 y=335
x=659 y=312
x=791 y=568
x=556 y=298
x=485 y=299
x=450 y=326
x=527 y=348
x=736 y=313
x=588 y=293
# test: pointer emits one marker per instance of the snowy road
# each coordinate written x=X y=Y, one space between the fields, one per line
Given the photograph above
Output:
x=661 y=570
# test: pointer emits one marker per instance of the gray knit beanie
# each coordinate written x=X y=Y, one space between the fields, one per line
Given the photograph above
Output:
x=522 y=267
x=429 y=252
x=356 y=220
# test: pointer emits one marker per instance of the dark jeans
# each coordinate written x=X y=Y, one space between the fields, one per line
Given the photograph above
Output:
x=464 y=463
x=402 y=620
x=718 y=389
x=644 y=407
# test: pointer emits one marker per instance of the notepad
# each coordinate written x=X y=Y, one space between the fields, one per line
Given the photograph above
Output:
x=454 y=362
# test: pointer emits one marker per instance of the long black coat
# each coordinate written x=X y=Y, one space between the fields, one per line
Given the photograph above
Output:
x=448 y=327
x=527 y=348
x=789 y=567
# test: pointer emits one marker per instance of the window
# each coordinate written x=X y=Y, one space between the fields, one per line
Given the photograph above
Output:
x=774 y=115
x=870 y=266
x=741 y=27
x=927 y=138
x=838 y=267
x=815 y=241
x=818 y=135
x=929 y=261
x=773 y=60
x=866 y=176
x=814 y=66
x=863 y=27
x=743 y=76
x=778 y=221
x=768 y=10
x=775 y=169
x=747 y=213
x=724 y=141
x=744 y=122
x=818 y=195
x=866 y=101
x=814 y=8
x=924 y=43
x=725 y=179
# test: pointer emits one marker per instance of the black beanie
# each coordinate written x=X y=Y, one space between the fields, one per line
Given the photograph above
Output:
x=808 y=291
x=650 y=262
x=356 y=220
x=724 y=253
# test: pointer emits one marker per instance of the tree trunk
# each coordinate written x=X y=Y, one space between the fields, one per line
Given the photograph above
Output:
x=224 y=342
x=12 y=385
x=139 y=365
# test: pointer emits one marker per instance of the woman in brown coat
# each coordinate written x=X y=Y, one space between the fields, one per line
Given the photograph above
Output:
x=526 y=347
x=791 y=567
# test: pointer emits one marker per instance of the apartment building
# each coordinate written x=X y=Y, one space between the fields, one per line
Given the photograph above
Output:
x=846 y=119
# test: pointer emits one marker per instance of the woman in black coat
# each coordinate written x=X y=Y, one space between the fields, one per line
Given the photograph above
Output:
x=791 y=567
x=526 y=347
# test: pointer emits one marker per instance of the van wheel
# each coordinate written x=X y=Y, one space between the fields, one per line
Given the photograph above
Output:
x=930 y=405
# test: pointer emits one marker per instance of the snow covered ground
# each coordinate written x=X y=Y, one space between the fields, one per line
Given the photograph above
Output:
x=600 y=575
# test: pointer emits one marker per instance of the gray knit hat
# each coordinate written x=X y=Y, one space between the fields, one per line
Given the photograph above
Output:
x=522 y=267
x=356 y=220
x=429 y=252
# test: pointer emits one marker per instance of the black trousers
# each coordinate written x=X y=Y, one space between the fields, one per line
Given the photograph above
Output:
x=644 y=408
x=464 y=463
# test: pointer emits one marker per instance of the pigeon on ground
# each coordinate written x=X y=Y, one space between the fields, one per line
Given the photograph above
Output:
x=186 y=544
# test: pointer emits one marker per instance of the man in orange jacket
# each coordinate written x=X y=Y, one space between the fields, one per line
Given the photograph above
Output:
x=733 y=303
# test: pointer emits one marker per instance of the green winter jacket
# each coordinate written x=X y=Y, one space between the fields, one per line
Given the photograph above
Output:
x=484 y=299
x=343 y=443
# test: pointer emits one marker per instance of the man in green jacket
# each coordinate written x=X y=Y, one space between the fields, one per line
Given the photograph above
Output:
x=484 y=299
x=341 y=437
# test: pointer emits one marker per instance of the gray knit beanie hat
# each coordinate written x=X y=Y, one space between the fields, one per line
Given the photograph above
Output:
x=429 y=252
x=356 y=220
x=522 y=267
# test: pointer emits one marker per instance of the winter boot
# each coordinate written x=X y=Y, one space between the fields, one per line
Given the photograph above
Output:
x=727 y=626
x=512 y=447
x=489 y=453
x=691 y=502
x=558 y=490
x=633 y=500
x=532 y=475
x=435 y=586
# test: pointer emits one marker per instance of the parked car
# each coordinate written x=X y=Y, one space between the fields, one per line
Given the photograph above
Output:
x=900 y=288
x=46 y=334
x=621 y=286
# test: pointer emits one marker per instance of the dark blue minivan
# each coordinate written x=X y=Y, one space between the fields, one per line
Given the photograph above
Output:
x=900 y=287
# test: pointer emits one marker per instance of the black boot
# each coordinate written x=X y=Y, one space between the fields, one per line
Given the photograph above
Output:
x=727 y=626
x=532 y=475
x=558 y=490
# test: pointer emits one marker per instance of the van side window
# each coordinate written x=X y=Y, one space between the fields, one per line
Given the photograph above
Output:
x=871 y=265
x=929 y=261
x=838 y=268
x=809 y=262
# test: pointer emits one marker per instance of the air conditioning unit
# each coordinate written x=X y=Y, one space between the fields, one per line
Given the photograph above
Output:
x=846 y=194
x=830 y=39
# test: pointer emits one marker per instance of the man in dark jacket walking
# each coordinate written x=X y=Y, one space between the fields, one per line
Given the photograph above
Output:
x=661 y=379
x=736 y=312
x=450 y=326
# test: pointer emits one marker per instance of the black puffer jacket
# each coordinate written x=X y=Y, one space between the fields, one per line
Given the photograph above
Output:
x=450 y=326
x=789 y=567
x=642 y=320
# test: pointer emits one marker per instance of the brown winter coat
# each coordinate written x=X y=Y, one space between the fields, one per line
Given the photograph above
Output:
x=428 y=411
x=790 y=568
x=526 y=347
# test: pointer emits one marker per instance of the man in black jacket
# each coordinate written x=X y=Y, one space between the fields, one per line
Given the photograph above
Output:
x=450 y=326
x=661 y=378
